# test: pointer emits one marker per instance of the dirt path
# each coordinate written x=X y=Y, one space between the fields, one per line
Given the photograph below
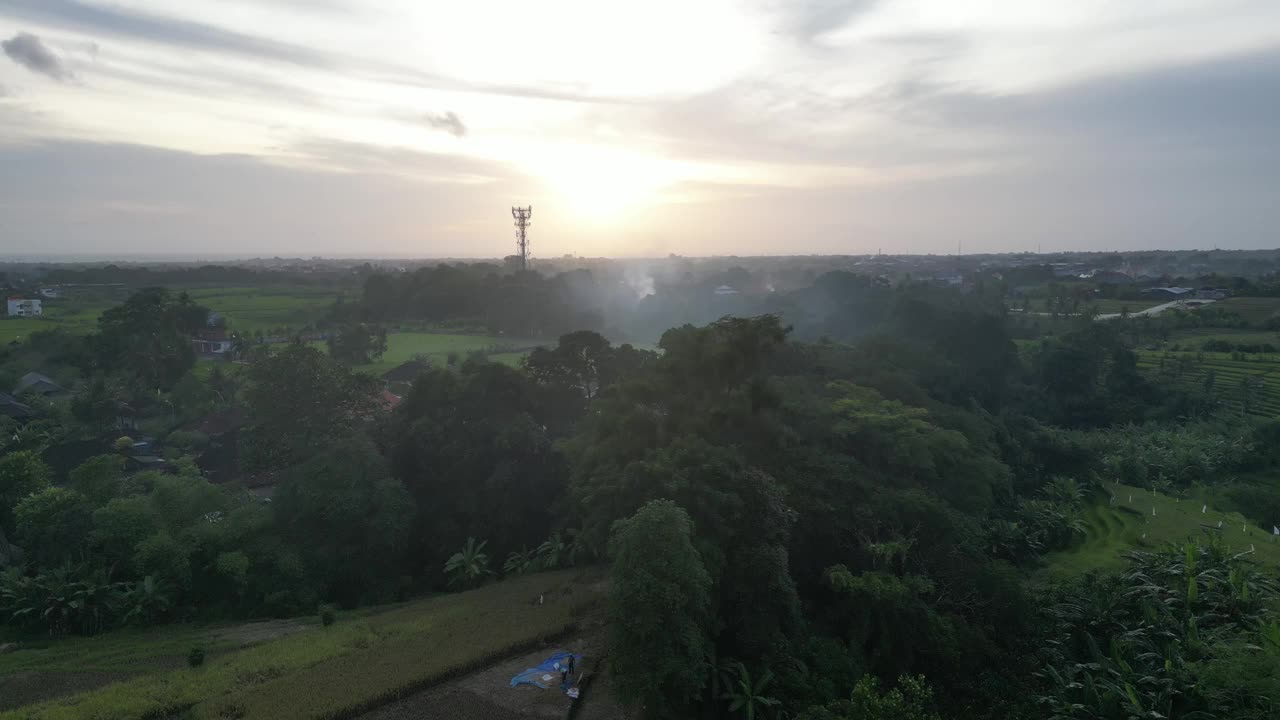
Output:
x=487 y=694
x=257 y=632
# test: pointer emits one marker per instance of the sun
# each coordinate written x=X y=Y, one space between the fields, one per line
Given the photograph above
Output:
x=601 y=183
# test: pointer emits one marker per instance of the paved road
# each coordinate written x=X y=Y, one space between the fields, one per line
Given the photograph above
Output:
x=1154 y=310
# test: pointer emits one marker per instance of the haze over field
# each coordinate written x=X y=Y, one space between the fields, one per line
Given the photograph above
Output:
x=717 y=127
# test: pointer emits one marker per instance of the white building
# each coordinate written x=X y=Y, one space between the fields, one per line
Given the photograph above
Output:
x=21 y=307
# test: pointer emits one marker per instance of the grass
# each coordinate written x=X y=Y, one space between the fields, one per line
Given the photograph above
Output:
x=402 y=347
x=1255 y=378
x=1120 y=526
x=358 y=663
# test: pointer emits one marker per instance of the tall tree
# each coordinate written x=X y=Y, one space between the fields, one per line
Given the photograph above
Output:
x=357 y=343
x=659 y=607
x=350 y=519
x=299 y=401
x=148 y=337
x=475 y=450
x=22 y=473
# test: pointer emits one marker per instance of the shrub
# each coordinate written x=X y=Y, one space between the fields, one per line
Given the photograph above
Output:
x=195 y=658
x=327 y=616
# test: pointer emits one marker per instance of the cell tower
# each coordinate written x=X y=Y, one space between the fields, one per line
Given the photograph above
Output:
x=522 y=215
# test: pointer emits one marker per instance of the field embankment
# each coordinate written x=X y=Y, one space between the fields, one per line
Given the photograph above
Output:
x=365 y=660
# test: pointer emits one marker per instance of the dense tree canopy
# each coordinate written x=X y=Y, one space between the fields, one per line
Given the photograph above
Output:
x=298 y=402
x=148 y=338
x=846 y=501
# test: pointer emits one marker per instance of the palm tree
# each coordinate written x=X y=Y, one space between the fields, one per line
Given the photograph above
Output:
x=240 y=345
x=470 y=565
x=146 y=600
x=1064 y=490
x=746 y=696
x=521 y=562
x=553 y=551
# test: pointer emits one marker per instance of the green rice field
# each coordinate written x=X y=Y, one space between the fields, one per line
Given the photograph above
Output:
x=246 y=309
x=249 y=309
x=79 y=318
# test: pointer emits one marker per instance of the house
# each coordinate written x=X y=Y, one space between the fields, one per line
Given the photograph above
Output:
x=22 y=307
x=220 y=459
x=211 y=341
x=10 y=407
x=34 y=382
x=388 y=400
x=405 y=373
x=138 y=463
x=1213 y=293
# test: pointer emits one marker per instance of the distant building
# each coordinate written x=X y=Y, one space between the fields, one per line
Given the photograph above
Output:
x=1172 y=293
x=1113 y=277
x=22 y=307
x=1213 y=294
x=10 y=407
x=50 y=292
x=725 y=290
x=34 y=382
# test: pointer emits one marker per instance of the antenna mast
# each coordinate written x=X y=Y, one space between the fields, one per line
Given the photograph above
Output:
x=522 y=215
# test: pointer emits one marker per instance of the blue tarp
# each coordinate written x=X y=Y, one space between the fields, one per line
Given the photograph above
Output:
x=547 y=674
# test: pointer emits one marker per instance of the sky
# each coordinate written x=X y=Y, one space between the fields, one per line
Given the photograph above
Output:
x=408 y=128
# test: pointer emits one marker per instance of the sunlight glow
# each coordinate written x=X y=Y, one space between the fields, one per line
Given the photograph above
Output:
x=600 y=183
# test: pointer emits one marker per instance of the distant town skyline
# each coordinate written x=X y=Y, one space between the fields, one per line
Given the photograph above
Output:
x=400 y=128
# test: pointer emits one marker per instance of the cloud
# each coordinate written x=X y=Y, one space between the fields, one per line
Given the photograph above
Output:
x=448 y=122
x=405 y=163
x=1230 y=103
x=807 y=19
x=114 y=199
x=122 y=22
x=28 y=51
x=190 y=35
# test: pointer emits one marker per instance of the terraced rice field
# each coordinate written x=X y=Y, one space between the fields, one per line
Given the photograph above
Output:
x=1251 y=384
x=1256 y=310
x=1193 y=337
x=1127 y=523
